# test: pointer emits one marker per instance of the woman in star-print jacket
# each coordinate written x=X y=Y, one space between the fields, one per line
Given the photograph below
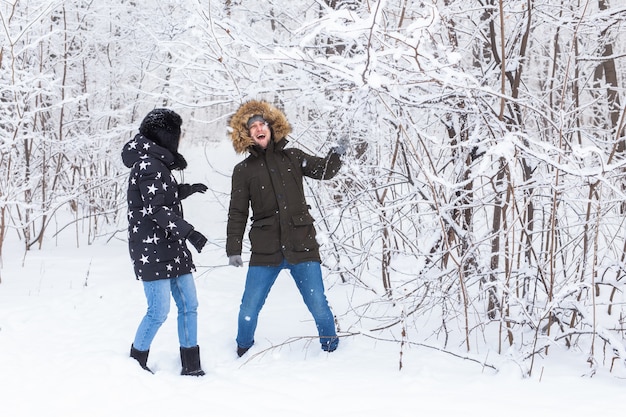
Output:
x=157 y=233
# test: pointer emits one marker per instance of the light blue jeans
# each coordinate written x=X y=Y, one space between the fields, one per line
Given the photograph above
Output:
x=308 y=279
x=183 y=290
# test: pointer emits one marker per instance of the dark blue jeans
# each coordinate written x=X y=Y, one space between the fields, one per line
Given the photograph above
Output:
x=308 y=278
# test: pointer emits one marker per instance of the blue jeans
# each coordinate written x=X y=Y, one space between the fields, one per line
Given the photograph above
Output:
x=308 y=278
x=183 y=290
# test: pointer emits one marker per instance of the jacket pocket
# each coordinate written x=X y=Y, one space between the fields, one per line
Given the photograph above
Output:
x=264 y=235
x=303 y=234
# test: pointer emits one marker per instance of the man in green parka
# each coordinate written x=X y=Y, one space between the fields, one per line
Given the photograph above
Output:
x=282 y=234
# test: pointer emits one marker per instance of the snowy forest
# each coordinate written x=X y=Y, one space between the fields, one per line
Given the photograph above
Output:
x=483 y=196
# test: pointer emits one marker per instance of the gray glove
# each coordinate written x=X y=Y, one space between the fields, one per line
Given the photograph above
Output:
x=342 y=145
x=235 y=260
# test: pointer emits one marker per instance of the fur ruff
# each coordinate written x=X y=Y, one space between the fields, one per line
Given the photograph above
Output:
x=240 y=135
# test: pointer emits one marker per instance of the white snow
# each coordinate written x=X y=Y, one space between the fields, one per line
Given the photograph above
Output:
x=68 y=317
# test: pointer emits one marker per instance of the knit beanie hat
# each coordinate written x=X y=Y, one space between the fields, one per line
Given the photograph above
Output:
x=162 y=126
x=255 y=118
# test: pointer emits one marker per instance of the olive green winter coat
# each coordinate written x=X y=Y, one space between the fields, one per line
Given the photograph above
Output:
x=270 y=183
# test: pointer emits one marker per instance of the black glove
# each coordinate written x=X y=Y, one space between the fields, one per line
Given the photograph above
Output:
x=197 y=239
x=185 y=190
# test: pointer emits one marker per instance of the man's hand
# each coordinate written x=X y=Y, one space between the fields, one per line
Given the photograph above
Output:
x=342 y=145
x=235 y=260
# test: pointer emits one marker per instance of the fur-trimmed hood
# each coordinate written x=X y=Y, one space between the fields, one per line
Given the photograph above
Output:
x=240 y=135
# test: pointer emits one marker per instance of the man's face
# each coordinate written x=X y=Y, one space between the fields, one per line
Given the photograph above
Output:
x=260 y=133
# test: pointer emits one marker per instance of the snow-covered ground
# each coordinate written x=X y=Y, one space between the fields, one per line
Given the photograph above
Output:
x=68 y=316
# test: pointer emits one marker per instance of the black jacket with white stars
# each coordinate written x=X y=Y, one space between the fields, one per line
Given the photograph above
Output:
x=156 y=228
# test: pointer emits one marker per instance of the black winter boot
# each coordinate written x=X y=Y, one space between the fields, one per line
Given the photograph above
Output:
x=190 y=358
x=241 y=351
x=140 y=356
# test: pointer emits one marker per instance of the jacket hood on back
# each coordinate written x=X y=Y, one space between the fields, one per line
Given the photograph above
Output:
x=240 y=135
x=141 y=147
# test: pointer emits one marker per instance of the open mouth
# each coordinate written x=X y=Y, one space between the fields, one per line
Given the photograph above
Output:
x=261 y=136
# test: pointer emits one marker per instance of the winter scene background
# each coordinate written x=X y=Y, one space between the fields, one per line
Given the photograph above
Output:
x=473 y=244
